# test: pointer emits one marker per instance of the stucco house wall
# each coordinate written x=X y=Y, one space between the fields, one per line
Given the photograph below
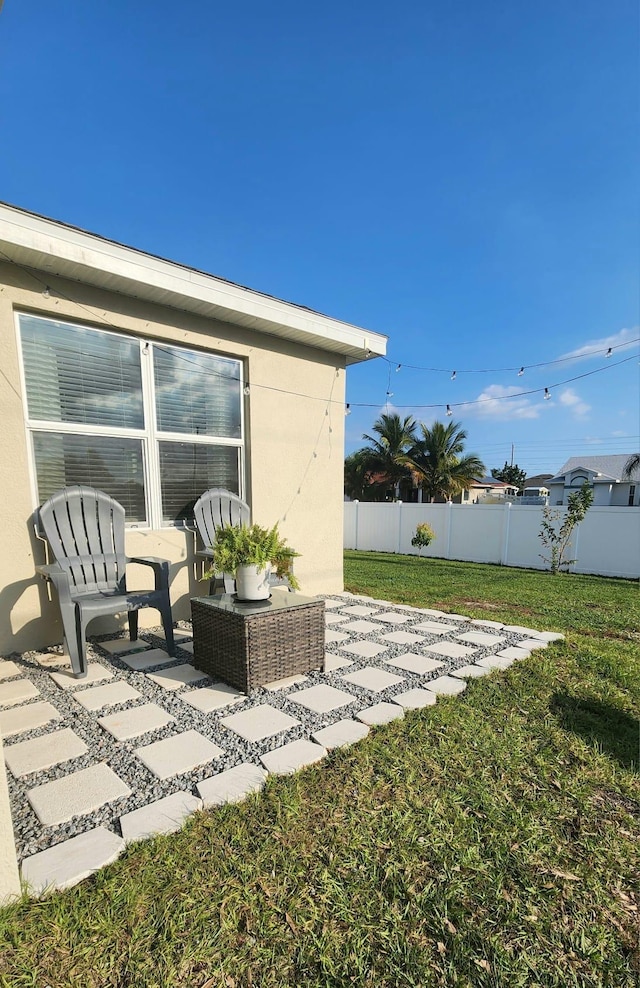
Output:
x=294 y=436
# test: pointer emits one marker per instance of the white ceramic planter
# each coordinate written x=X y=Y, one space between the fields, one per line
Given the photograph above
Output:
x=252 y=583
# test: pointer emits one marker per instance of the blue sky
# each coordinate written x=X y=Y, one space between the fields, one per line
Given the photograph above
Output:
x=462 y=177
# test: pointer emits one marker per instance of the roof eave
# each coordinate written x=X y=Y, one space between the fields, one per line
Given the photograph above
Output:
x=57 y=249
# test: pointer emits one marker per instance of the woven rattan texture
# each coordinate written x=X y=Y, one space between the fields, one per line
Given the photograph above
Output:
x=249 y=650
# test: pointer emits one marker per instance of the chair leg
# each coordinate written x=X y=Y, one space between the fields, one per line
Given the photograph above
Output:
x=79 y=660
x=69 y=615
x=133 y=625
x=167 y=624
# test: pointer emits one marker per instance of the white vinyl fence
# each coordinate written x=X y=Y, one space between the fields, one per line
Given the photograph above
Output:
x=607 y=542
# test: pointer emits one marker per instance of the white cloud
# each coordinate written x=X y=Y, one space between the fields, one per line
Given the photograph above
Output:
x=574 y=402
x=497 y=401
x=624 y=340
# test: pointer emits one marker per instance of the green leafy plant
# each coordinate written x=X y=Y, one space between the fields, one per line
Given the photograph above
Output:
x=556 y=537
x=424 y=536
x=251 y=545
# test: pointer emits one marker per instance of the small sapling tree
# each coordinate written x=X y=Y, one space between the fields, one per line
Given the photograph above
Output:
x=423 y=537
x=556 y=536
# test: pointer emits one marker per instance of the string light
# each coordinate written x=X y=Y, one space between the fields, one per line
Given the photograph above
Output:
x=46 y=292
x=398 y=368
x=453 y=376
x=606 y=351
x=449 y=412
x=246 y=391
x=547 y=394
x=389 y=394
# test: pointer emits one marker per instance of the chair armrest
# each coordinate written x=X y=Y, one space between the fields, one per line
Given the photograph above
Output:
x=159 y=566
x=50 y=571
x=59 y=576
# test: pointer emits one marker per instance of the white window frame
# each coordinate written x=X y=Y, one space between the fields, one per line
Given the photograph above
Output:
x=150 y=435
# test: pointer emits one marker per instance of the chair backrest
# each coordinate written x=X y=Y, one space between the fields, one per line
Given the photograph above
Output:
x=85 y=530
x=217 y=508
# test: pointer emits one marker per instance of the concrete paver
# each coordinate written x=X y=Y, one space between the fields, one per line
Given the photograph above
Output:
x=106 y=696
x=67 y=863
x=27 y=718
x=360 y=627
x=66 y=680
x=141 y=661
x=292 y=757
x=233 y=785
x=75 y=794
x=341 y=734
x=17 y=691
x=365 y=649
x=213 y=697
x=412 y=662
x=380 y=713
x=120 y=645
x=178 y=754
x=333 y=662
x=373 y=679
x=480 y=638
x=178 y=677
x=415 y=699
x=133 y=722
x=26 y=757
x=402 y=638
x=259 y=722
x=322 y=698
x=446 y=686
x=433 y=628
x=164 y=816
x=452 y=650
x=9 y=669
x=471 y=672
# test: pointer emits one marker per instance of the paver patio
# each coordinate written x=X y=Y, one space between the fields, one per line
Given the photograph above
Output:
x=91 y=767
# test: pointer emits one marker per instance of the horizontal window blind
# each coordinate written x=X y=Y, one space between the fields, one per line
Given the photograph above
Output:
x=197 y=393
x=187 y=470
x=113 y=465
x=78 y=378
x=80 y=375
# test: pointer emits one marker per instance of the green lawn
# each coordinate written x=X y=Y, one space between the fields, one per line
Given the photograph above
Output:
x=491 y=840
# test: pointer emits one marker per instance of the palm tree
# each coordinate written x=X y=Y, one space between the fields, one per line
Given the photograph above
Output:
x=631 y=466
x=359 y=484
x=438 y=459
x=387 y=451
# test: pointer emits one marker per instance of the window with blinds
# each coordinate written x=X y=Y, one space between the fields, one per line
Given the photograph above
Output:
x=152 y=425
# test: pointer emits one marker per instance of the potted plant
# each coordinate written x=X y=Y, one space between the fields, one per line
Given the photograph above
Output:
x=251 y=553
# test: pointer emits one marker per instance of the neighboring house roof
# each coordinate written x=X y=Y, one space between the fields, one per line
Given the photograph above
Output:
x=538 y=480
x=490 y=482
x=609 y=467
x=59 y=249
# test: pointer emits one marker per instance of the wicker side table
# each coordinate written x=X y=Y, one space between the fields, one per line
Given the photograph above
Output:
x=248 y=645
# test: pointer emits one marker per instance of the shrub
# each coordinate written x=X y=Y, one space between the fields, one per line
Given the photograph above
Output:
x=423 y=537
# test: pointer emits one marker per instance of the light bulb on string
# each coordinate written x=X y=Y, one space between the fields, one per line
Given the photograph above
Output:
x=347 y=410
x=609 y=352
x=47 y=292
x=246 y=391
x=398 y=368
x=521 y=372
x=547 y=394
x=449 y=412
x=453 y=376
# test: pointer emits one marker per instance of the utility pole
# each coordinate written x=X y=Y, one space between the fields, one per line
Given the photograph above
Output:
x=512 y=448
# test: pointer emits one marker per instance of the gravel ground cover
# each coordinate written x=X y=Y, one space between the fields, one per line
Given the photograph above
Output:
x=386 y=619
